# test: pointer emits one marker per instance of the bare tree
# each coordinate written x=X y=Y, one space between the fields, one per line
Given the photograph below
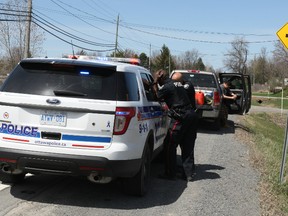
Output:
x=236 y=60
x=280 y=59
x=270 y=71
x=188 y=60
x=260 y=68
x=280 y=53
x=12 y=33
x=127 y=53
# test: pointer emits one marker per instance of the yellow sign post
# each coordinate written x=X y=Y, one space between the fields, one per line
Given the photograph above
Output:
x=283 y=35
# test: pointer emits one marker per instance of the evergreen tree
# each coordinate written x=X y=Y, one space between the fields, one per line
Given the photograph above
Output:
x=144 y=60
x=164 y=60
x=199 y=65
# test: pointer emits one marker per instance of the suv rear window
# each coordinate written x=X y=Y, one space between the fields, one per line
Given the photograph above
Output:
x=201 y=80
x=72 y=81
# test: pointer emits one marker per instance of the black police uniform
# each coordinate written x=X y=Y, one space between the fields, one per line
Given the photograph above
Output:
x=188 y=86
x=181 y=129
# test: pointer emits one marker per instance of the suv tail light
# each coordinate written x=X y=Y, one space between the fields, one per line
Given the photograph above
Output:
x=216 y=98
x=122 y=119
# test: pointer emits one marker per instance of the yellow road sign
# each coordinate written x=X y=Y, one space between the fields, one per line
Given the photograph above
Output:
x=283 y=35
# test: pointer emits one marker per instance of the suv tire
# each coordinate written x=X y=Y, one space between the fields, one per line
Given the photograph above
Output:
x=11 y=178
x=139 y=184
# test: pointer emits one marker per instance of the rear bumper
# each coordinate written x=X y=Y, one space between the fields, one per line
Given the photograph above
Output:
x=22 y=161
x=208 y=113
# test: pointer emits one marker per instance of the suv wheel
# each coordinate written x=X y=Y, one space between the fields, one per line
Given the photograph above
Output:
x=139 y=184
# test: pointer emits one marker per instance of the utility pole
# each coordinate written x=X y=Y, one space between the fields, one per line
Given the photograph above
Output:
x=150 y=58
x=28 y=27
x=169 y=64
x=116 y=42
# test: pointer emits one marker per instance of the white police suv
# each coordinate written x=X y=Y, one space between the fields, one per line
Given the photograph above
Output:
x=91 y=118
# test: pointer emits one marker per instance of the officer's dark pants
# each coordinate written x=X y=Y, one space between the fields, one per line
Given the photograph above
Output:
x=187 y=142
x=181 y=132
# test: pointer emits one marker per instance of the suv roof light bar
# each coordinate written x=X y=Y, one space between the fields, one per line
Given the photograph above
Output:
x=134 y=61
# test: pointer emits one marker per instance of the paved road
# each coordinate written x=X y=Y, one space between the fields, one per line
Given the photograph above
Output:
x=225 y=185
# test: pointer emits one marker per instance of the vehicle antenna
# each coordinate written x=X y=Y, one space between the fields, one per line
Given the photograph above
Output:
x=73 y=57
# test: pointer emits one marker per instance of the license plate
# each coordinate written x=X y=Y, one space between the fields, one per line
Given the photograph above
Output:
x=53 y=118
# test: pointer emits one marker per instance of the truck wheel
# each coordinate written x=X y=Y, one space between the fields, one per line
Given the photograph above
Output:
x=223 y=116
x=217 y=124
x=139 y=184
x=245 y=110
x=10 y=178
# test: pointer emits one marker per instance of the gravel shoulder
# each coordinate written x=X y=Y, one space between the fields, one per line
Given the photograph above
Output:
x=232 y=188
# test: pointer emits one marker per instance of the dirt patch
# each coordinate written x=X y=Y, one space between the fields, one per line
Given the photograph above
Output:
x=279 y=119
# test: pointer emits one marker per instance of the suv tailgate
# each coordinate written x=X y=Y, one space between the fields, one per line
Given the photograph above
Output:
x=77 y=123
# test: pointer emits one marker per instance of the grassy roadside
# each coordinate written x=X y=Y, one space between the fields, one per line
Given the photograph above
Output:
x=266 y=134
x=270 y=102
x=270 y=99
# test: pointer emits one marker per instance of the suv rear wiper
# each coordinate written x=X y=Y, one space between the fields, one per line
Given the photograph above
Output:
x=68 y=93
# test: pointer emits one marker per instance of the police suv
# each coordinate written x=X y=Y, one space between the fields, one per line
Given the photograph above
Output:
x=80 y=117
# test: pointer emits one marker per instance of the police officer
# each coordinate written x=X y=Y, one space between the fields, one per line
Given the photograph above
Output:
x=187 y=148
x=188 y=86
x=181 y=124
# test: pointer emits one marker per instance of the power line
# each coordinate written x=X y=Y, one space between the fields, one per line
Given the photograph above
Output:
x=69 y=27
x=9 y=14
x=193 y=40
x=103 y=3
x=81 y=18
x=84 y=12
x=173 y=29
x=10 y=10
x=13 y=15
x=12 y=20
x=102 y=9
x=50 y=25
x=61 y=31
x=195 y=31
x=127 y=38
x=70 y=43
x=128 y=26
